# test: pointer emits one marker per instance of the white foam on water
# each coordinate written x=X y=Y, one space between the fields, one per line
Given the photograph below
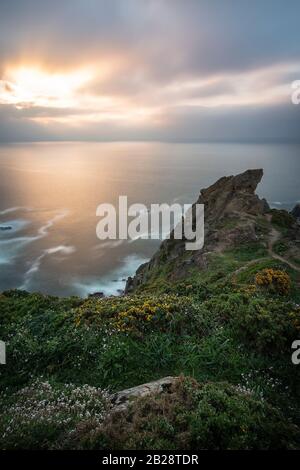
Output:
x=16 y=225
x=35 y=265
x=108 y=244
x=11 y=247
x=15 y=209
x=114 y=282
x=43 y=231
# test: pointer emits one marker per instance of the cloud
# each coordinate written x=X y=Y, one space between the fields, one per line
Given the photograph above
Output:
x=155 y=69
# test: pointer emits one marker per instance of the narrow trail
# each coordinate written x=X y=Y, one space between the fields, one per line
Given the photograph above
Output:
x=275 y=235
x=246 y=265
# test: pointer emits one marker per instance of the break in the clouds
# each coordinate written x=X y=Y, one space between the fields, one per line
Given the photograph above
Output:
x=149 y=69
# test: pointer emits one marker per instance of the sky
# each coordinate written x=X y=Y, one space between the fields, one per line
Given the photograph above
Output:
x=168 y=70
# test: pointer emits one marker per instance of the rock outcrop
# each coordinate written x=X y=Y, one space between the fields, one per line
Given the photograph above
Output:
x=98 y=295
x=233 y=195
x=231 y=208
x=296 y=211
x=121 y=400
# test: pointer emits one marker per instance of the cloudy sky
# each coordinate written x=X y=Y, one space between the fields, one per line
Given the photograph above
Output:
x=175 y=70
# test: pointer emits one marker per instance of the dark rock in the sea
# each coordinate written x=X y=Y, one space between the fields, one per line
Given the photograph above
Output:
x=296 y=211
x=5 y=227
x=133 y=282
x=98 y=295
x=129 y=284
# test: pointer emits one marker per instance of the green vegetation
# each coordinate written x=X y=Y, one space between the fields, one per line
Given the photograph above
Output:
x=282 y=219
x=280 y=248
x=42 y=415
x=228 y=327
x=200 y=416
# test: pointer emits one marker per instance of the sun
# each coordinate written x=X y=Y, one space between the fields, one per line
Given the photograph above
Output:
x=32 y=86
x=71 y=97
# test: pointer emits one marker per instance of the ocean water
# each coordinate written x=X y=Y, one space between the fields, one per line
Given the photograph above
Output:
x=49 y=193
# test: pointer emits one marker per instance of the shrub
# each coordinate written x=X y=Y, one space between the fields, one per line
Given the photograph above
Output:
x=16 y=304
x=198 y=416
x=40 y=415
x=50 y=343
x=274 y=280
x=267 y=325
x=282 y=218
x=141 y=314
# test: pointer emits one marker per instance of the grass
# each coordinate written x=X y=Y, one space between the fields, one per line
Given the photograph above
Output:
x=280 y=248
x=191 y=416
x=212 y=326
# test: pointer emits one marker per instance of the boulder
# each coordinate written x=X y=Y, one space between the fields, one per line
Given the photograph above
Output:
x=121 y=400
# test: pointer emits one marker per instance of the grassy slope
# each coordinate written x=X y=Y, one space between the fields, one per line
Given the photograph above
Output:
x=214 y=326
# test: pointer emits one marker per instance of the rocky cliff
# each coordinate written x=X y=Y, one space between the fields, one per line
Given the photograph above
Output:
x=231 y=210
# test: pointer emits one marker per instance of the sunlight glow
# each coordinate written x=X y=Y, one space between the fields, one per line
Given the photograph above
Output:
x=27 y=87
x=89 y=95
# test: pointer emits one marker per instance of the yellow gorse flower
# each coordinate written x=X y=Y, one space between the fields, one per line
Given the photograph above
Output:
x=271 y=278
x=127 y=313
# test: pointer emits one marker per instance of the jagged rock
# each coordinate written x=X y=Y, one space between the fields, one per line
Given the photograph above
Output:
x=133 y=282
x=231 y=199
x=129 y=284
x=99 y=295
x=121 y=400
x=233 y=195
x=242 y=234
x=296 y=211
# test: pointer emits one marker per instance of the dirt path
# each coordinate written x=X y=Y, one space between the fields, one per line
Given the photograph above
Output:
x=275 y=235
x=246 y=265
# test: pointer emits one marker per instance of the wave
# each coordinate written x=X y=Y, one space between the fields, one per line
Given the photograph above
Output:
x=15 y=209
x=11 y=247
x=35 y=266
x=114 y=282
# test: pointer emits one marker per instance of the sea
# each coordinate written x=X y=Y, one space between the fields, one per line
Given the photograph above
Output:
x=50 y=191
